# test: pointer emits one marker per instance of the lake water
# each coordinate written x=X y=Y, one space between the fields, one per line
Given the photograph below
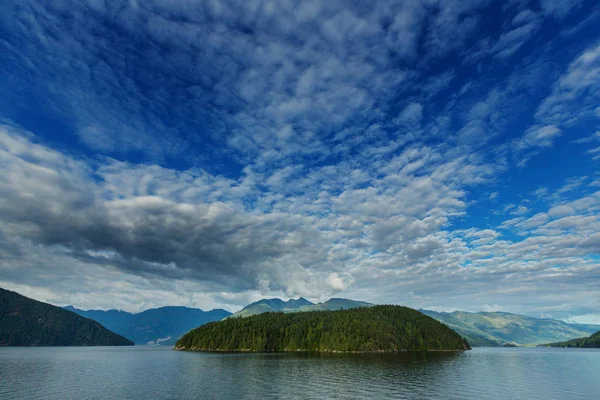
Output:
x=161 y=373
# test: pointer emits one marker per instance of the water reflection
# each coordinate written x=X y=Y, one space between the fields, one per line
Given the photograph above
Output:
x=157 y=373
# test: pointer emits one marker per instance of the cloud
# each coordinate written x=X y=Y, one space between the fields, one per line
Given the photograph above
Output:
x=209 y=154
x=535 y=138
x=151 y=221
x=595 y=137
x=170 y=228
x=268 y=80
x=561 y=210
x=54 y=201
x=520 y=210
x=538 y=137
x=575 y=94
x=511 y=41
x=559 y=9
x=410 y=116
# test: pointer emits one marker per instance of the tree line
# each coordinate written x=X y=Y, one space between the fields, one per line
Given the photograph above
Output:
x=366 y=329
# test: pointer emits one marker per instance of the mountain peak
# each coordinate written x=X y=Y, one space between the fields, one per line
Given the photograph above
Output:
x=300 y=304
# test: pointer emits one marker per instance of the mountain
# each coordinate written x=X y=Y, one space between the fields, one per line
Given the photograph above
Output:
x=301 y=304
x=28 y=322
x=154 y=326
x=272 y=305
x=474 y=336
x=363 y=329
x=499 y=328
x=585 y=342
x=336 y=304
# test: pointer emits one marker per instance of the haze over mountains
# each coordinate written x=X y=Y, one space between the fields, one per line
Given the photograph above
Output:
x=162 y=325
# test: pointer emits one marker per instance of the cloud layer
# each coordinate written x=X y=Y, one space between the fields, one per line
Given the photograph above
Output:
x=209 y=153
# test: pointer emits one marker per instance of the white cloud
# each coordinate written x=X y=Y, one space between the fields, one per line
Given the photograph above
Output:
x=560 y=211
x=536 y=137
x=575 y=94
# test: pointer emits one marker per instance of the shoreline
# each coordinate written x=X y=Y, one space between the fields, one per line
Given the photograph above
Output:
x=318 y=351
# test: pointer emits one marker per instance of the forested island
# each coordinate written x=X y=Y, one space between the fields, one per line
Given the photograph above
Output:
x=369 y=329
x=28 y=322
x=586 y=342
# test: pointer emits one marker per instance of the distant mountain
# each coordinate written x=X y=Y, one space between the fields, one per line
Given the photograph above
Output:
x=272 y=305
x=336 y=304
x=301 y=304
x=155 y=326
x=499 y=328
x=380 y=329
x=585 y=342
x=28 y=322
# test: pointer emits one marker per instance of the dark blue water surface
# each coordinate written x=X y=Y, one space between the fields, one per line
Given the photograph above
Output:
x=161 y=373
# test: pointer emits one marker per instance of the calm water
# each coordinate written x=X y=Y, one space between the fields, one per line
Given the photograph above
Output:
x=160 y=373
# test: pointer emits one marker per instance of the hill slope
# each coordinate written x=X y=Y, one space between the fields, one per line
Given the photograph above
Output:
x=301 y=304
x=587 y=342
x=365 y=329
x=154 y=326
x=28 y=322
x=498 y=328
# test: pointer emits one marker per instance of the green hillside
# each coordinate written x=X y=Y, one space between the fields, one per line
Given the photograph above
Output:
x=499 y=328
x=27 y=322
x=364 y=329
x=586 y=342
x=475 y=336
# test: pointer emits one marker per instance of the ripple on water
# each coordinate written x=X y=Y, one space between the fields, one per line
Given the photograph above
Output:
x=159 y=373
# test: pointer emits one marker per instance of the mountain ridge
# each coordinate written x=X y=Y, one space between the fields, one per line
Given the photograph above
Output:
x=162 y=325
x=29 y=322
x=490 y=329
x=297 y=305
x=499 y=328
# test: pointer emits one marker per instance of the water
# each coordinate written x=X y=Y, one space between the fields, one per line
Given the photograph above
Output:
x=160 y=373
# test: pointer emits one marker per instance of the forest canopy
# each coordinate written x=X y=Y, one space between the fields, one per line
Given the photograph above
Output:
x=370 y=329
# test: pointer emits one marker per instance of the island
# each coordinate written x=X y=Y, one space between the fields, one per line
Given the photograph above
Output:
x=377 y=329
x=587 y=342
x=28 y=322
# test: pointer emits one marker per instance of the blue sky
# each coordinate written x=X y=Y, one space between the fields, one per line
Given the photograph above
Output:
x=437 y=154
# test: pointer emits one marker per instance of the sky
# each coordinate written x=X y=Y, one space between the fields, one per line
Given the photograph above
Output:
x=434 y=154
